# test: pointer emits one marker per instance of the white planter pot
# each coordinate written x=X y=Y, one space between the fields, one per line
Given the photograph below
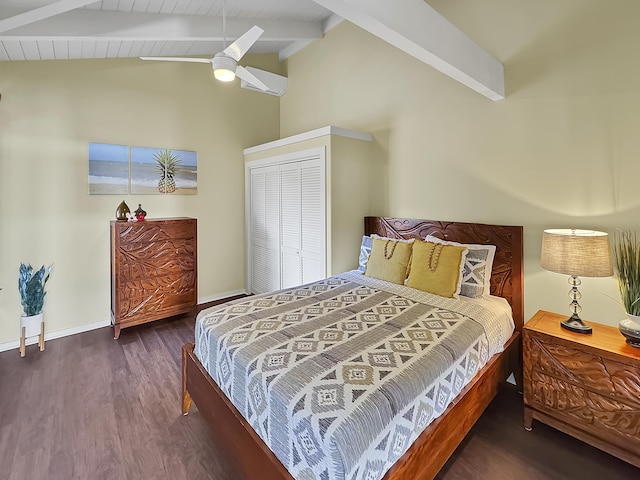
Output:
x=630 y=329
x=33 y=324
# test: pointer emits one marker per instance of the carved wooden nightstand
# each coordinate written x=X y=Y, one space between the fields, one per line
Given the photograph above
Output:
x=587 y=386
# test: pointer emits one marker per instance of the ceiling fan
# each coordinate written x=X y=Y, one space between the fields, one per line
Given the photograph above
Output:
x=225 y=64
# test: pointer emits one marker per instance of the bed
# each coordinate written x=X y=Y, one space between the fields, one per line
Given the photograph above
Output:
x=243 y=444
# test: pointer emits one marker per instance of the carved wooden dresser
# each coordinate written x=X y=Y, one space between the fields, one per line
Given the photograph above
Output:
x=154 y=270
x=585 y=385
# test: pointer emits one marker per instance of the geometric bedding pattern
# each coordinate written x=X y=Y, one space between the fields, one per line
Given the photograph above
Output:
x=339 y=377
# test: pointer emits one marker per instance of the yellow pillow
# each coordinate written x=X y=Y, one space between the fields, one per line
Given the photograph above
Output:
x=437 y=268
x=389 y=259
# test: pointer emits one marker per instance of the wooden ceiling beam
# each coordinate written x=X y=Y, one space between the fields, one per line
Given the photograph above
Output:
x=38 y=14
x=416 y=28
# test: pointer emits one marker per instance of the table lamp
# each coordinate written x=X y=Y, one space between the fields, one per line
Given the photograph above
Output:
x=578 y=253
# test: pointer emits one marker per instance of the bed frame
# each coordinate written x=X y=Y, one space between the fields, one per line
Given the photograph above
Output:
x=252 y=459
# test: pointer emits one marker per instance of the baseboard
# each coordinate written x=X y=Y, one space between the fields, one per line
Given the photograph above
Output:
x=93 y=326
x=221 y=296
x=57 y=334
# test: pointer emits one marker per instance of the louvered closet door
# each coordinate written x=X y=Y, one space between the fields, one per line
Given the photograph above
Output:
x=303 y=222
x=265 y=229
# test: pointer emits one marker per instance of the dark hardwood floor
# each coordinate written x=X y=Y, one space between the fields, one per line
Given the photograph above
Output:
x=91 y=407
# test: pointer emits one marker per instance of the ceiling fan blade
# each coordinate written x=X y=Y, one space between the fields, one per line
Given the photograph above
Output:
x=238 y=48
x=247 y=76
x=178 y=59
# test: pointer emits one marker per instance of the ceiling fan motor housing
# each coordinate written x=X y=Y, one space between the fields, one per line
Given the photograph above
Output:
x=224 y=62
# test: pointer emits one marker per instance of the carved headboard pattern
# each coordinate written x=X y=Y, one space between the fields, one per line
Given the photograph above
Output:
x=507 y=274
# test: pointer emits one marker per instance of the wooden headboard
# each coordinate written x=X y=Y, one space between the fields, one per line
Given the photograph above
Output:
x=507 y=279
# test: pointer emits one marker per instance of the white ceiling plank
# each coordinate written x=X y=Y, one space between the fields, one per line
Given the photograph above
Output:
x=157 y=48
x=125 y=49
x=125 y=5
x=193 y=7
x=61 y=49
x=140 y=6
x=136 y=49
x=203 y=48
x=45 y=47
x=175 y=49
x=113 y=48
x=41 y=13
x=88 y=49
x=95 y=6
x=154 y=6
x=3 y=53
x=180 y=8
x=130 y=26
x=14 y=50
x=101 y=49
x=75 y=49
x=417 y=29
x=168 y=6
x=30 y=50
x=110 y=4
x=146 y=48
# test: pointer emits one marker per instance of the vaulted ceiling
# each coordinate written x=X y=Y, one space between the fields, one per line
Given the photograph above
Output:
x=73 y=29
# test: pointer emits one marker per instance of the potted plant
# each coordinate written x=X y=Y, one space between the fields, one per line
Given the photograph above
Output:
x=31 y=286
x=626 y=252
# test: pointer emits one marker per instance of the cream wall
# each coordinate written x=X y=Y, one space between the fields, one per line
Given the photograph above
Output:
x=560 y=151
x=50 y=110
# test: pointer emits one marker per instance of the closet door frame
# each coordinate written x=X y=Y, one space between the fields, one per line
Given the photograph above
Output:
x=316 y=153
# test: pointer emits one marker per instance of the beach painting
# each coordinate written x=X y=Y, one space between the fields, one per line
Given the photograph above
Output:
x=163 y=171
x=108 y=169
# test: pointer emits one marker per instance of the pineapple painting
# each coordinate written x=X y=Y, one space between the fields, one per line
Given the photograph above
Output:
x=168 y=165
x=163 y=171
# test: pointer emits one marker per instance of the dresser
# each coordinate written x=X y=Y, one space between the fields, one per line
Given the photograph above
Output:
x=587 y=386
x=154 y=270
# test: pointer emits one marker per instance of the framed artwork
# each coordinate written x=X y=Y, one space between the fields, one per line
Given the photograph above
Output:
x=119 y=169
x=163 y=171
x=108 y=169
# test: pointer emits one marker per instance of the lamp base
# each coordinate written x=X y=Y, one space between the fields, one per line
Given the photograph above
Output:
x=575 y=324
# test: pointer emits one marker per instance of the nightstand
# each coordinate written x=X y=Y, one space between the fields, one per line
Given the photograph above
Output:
x=587 y=386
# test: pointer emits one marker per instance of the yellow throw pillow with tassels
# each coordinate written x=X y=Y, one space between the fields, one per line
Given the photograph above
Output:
x=389 y=259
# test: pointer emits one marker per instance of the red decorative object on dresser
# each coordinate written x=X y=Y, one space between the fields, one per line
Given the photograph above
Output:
x=587 y=386
x=154 y=270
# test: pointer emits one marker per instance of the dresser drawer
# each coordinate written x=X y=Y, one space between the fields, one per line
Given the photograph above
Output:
x=155 y=230
x=143 y=260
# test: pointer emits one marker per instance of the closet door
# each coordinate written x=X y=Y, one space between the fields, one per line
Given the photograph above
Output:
x=264 y=241
x=313 y=221
x=290 y=208
x=303 y=222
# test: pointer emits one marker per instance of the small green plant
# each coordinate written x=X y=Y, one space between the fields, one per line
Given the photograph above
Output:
x=626 y=252
x=31 y=287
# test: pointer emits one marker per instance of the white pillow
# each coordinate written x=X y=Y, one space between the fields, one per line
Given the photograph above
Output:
x=476 y=277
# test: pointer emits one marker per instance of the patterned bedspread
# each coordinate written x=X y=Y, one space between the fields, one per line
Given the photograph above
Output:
x=339 y=377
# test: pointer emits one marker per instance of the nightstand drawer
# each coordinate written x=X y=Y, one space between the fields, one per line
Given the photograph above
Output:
x=570 y=365
x=617 y=422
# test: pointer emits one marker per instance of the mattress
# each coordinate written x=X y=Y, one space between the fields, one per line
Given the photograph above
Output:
x=340 y=376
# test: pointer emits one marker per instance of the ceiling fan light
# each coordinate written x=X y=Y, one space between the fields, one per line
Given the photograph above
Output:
x=224 y=67
x=224 y=75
